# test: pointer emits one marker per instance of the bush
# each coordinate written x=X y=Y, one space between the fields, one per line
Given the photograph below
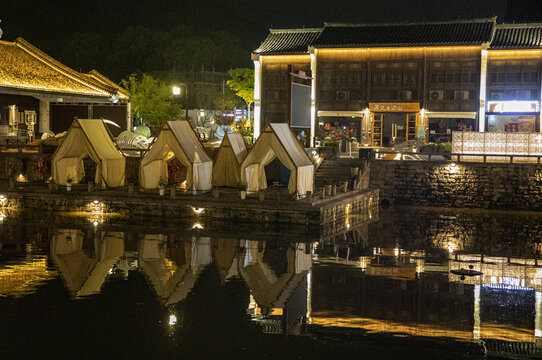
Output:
x=440 y=148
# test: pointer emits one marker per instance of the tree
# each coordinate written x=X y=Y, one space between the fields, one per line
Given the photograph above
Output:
x=242 y=82
x=151 y=99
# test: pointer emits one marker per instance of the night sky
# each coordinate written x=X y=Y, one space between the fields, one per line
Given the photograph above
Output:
x=47 y=24
x=35 y=19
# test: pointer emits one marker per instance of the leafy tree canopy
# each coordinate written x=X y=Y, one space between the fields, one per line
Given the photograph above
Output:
x=151 y=99
x=242 y=82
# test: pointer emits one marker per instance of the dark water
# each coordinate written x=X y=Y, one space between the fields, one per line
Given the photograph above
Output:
x=371 y=286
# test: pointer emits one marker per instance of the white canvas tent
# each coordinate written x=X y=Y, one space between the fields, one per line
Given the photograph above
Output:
x=83 y=274
x=278 y=141
x=269 y=289
x=227 y=166
x=89 y=138
x=173 y=280
x=177 y=139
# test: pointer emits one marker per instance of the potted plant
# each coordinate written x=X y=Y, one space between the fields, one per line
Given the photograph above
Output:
x=328 y=185
x=162 y=183
x=69 y=181
x=243 y=189
x=354 y=168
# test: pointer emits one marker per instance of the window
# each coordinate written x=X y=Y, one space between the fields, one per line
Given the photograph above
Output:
x=493 y=77
x=457 y=78
x=513 y=77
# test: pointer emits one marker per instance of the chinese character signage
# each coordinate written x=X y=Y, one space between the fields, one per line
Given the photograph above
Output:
x=394 y=107
x=512 y=106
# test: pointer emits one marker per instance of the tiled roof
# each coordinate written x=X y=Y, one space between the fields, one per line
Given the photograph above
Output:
x=523 y=11
x=288 y=41
x=25 y=67
x=461 y=32
x=518 y=36
x=107 y=83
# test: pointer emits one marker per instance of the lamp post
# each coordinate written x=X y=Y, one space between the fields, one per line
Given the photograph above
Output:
x=177 y=93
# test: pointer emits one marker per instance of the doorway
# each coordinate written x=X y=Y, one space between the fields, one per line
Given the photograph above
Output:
x=392 y=128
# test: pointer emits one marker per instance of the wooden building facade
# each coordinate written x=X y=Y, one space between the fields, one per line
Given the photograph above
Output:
x=384 y=84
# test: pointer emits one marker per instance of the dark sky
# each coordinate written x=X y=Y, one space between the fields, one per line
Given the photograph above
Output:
x=51 y=20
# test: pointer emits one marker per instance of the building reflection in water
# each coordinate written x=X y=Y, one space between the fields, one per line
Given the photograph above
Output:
x=347 y=279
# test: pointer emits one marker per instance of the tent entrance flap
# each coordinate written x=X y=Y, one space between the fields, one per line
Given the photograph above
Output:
x=177 y=138
x=278 y=141
x=89 y=138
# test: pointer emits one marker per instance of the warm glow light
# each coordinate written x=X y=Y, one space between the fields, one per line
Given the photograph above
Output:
x=172 y=319
x=176 y=90
x=452 y=164
x=95 y=223
x=21 y=178
x=513 y=106
x=396 y=251
x=451 y=247
x=2 y=217
x=198 y=210
x=202 y=113
x=96 y=202
x=197 y=226
x=397 y=157
x=3 y=198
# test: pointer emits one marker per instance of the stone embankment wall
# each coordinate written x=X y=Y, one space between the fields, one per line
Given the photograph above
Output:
x=12 y=164
x=148 y=207
x=469 y=185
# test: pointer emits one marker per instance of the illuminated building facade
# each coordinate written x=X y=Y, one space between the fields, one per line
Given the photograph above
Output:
x=37 y=90
x=380 y=85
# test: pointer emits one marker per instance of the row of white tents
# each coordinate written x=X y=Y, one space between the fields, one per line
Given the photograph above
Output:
x=84 y=272
x=89 y=138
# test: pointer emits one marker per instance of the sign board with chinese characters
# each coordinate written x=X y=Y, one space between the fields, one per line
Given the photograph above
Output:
x=512 y=106
x=394 y=107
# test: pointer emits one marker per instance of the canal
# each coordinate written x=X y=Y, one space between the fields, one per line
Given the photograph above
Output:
x=392 y=283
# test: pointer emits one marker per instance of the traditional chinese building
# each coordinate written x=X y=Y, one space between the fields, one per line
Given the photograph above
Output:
x=35 y=88
x=384 y=84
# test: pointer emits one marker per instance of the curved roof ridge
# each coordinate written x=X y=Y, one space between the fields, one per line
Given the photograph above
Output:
x=457 y=21
x=298 y=30
x=57 y=65
x=519 y=25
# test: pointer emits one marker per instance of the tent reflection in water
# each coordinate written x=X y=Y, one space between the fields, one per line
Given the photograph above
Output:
x=278 y=141
x=82 y=273
x=227 y=166
x=177 y=140
x=273 y=281
x=173 y=279
x=89 y=138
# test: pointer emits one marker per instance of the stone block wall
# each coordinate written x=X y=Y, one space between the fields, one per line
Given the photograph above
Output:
x=12 y=164
x=470 y=185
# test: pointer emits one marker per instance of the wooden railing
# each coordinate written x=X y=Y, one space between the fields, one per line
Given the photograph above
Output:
x=510 y=157
x=457 y=157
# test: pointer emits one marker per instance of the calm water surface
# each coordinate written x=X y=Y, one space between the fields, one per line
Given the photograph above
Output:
x=376 y=285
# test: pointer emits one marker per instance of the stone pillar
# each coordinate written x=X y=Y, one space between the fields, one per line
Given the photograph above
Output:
x=538 y=316
x=476 y=328
x=129 y=116
x=483 y=84
x=313 y=96
x=44 y=117
x=257 y=96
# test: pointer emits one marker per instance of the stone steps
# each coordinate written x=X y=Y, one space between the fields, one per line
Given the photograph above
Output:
x=338 y=170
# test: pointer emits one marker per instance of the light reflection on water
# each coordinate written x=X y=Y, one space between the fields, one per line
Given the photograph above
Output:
x=384 y=274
